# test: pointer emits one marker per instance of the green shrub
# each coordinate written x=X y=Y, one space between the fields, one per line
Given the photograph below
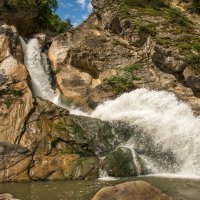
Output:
x=148 y=30
x=16 y=93
x=120 y=83
x=197 y=47
x=8 y=103
x=193 y=59
x=132 y=67
x=45 y=9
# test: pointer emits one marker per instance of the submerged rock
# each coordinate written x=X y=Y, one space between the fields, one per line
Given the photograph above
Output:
x=7 y=196
x=137 y=190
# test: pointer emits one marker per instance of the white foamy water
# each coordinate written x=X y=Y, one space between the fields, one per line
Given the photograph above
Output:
x=159 y=113
x=36 y=64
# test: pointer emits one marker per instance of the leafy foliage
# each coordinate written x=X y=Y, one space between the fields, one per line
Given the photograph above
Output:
x=125 y=81
x=120 y=83
x=132 y=67
x=45 y=10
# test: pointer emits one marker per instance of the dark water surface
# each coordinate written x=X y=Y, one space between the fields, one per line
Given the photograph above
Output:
x=179 y=189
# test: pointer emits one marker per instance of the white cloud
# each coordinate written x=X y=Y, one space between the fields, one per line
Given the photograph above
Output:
x=82 y=3
x=66 y=16
x=75 y=24
x=84 y=17
x=89 y=7
x=66 y=5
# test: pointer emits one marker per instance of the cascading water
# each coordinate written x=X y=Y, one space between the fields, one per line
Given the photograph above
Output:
x=36 y=64
x=169 y=122
x=39 y=70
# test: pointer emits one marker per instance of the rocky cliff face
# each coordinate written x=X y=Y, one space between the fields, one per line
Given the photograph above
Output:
x=15 y=95
x=122 y=47
x=32 y=133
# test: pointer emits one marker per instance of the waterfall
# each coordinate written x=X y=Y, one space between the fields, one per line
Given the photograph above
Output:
x=39 y=70
x=169 y=122
x=37 y=66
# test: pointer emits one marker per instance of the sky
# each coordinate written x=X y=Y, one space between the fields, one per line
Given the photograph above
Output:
x=76 y=10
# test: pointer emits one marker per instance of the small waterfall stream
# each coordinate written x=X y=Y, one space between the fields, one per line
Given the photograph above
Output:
x=39 y=70
x=36 y=64
x=170 y=123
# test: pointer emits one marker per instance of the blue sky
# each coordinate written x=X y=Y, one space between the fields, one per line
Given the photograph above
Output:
x=76 y=10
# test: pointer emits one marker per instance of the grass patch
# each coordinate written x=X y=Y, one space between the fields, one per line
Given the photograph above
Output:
x=8 y=103
x=125 y=82
x=184 y=47
x=175 y=16
x=148 y=29
x=120 y=83
x=132 y=67
x=163 y=41
x=156 y=4
x=145 y=26
x=193 y=59
x=197 y=47
x=16 y=93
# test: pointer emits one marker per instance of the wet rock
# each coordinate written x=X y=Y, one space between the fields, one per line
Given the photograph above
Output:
x=64 y=167
x=7 y=196
x=137 y=190
x=120 y=163
x=15 y=162
x=192 y=77
x=42 y=38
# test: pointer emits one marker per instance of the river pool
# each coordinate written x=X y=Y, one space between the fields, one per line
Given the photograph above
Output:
x=178 y=188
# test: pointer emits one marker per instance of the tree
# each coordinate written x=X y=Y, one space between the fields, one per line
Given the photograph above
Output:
x=45 y=9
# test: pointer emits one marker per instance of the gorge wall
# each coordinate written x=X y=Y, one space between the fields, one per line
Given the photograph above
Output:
x=119 y=42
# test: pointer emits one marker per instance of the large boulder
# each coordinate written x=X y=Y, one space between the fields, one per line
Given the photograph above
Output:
x=7 y=196
x=120 y=163
x=137 y=190
x=15 y=162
